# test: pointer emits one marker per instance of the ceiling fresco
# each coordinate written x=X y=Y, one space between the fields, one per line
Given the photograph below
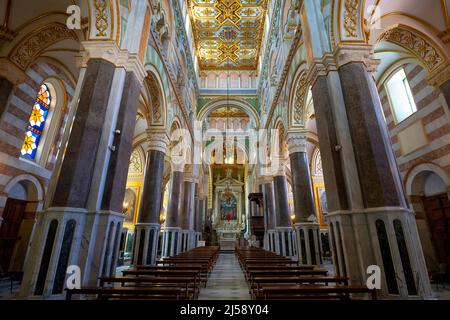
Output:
x=228 y=33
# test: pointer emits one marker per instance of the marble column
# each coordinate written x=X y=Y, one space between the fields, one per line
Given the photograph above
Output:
x=306 y=227
x=370 y=221
x=284 y=237
x=148 y=226
x=199 y=205
x=269 y=204
x=5 y=91
x=187 y=212
x=83 y=222
x=171 y=236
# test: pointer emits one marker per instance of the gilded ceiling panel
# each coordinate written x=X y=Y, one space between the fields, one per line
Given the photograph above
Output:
x=228 y=33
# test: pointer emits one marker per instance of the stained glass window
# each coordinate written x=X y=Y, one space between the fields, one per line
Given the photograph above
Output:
x=36 y=123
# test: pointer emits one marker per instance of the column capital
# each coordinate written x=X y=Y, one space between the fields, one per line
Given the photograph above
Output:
x=439 y=76
x=261 y=180
x=177 y=166
x=278 y=169
x=296 y=142
x=189 y=176
x=110 y=51
x=157 y=141
x=342 y=55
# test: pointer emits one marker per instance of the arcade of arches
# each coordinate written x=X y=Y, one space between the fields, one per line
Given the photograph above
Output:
x=315 y=129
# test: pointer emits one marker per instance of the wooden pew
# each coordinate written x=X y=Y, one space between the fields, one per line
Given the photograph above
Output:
x=258 y=282
x=314 y=291
x=107 y=293
x=165 y=273
x=188 y=283
x=280 y=273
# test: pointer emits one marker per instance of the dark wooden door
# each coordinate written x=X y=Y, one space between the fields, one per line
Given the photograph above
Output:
x=9 y=231
x=437 y=209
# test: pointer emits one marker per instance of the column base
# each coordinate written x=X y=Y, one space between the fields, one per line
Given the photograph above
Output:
x=171 y=244
x=188 y=240
x=266 y=241
x=309 y=248
x=63 y=237
x=198 y=237
x=384 y=237
x=271 y=240
x=285 y=242
x=146 y=243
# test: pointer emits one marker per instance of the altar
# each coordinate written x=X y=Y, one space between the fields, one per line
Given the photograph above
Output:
x=228 y=219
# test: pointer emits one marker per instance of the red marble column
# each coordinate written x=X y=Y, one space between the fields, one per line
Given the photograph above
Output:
x=369 y=219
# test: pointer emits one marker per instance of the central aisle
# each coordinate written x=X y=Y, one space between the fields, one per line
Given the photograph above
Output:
x=226 y=281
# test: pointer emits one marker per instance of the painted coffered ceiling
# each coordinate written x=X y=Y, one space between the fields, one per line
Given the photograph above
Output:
x=228 y=33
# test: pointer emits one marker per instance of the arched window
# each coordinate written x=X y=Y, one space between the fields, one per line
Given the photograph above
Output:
x=400 y=96
x=36 y=123
x=45 y=122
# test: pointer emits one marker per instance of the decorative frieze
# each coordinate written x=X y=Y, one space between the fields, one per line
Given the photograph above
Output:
x=440 y=76
x=158 y=141
x=351 y=18
x=341 y=56
x=109 y=51
x=28 y=49
x=415 y=42
x=101 y=17
x=298 y=118
x=296 y=142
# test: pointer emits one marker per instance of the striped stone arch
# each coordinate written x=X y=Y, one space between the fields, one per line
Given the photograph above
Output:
x=104 y=20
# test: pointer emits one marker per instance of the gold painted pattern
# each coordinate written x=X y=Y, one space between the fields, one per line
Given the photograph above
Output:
x=416 y=43
x=351 y=18
x=228 y=33
x=101 y=19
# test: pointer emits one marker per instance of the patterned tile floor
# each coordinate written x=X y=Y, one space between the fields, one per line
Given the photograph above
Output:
x=226 y=281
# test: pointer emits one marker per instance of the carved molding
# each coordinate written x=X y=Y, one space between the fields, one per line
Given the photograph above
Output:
x=157 y=141
x=440 y=76
x=156 y=112
x=136 y=167
x=34 y=43
x=109 y=51
x=101 y=17
x=416 y=43
x=341 y=56
x=298 y=110
x=445 y=35
x=351 y=18
x=296 y=142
